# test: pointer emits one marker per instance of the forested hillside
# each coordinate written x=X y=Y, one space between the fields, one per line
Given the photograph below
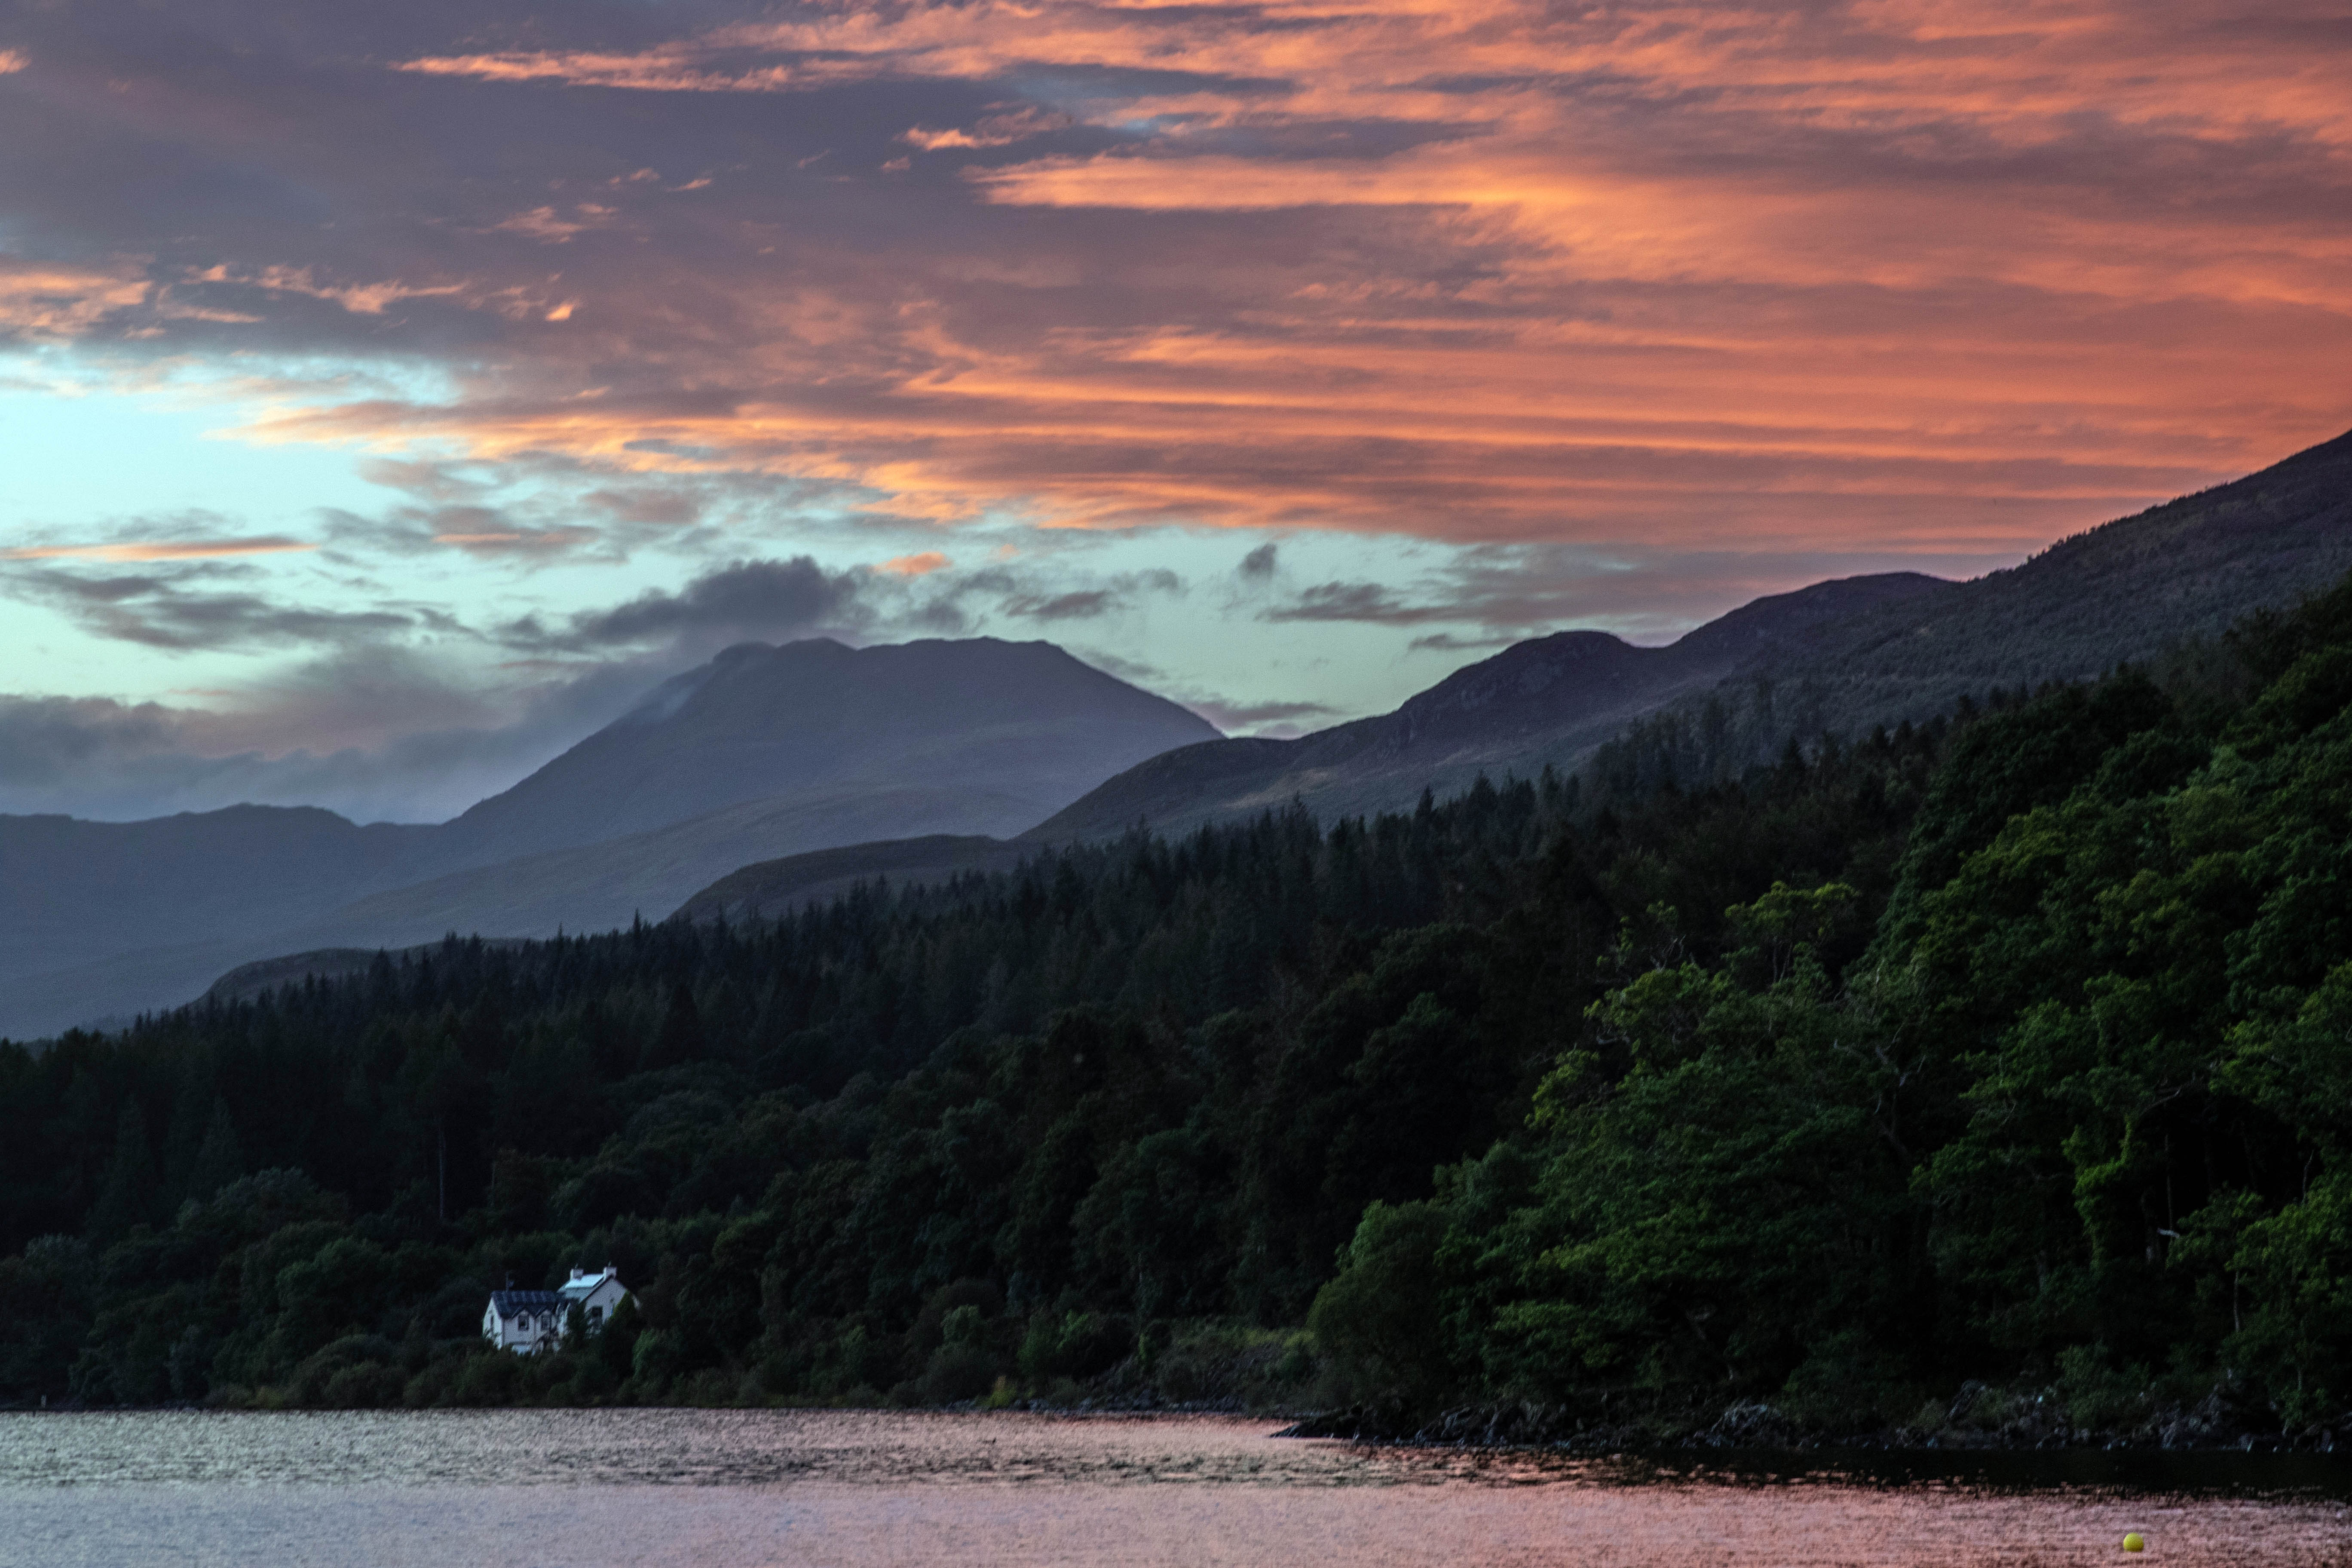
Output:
x=2014 y=1050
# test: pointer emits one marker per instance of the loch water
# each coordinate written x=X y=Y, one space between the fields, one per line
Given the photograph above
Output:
x=752 y=1489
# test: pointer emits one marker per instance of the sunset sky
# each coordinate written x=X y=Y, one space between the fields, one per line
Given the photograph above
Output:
x=390 y=393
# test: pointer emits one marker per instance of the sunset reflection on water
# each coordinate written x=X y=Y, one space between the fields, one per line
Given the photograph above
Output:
x=595 y=1487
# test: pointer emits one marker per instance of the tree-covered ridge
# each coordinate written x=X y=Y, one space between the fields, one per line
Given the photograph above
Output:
x=2079 y=1115
x=1135 y=1082
x=2012 y=1052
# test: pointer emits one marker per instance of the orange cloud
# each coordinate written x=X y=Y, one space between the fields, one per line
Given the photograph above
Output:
x=360 y=298
x=1954 y=274
x=917 y=565
x=544 y=224
x=52 y=300
x=157 y=550
x=661 y=72
x=992 y=130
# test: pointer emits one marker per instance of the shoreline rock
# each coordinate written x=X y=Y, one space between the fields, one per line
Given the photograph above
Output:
x=2212 y=1426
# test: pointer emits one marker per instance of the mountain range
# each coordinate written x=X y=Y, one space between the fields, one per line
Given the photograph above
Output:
x=761 y=752
x=1835 y=657
x=774 y=776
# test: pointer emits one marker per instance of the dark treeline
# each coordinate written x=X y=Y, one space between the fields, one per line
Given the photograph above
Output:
x=2012 y=1049
x=1129 y=1083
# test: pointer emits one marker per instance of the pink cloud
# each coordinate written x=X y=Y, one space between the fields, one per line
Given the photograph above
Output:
x=1945 y=277
x=158 y=550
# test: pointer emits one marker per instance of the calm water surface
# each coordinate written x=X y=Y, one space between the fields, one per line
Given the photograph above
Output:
x=591 y=1488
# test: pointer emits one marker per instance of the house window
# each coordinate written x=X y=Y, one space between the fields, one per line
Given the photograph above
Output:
x=595 y=1314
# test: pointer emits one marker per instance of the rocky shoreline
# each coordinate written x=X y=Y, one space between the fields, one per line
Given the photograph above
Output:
x=1752 y=1428
x=1981 y=1419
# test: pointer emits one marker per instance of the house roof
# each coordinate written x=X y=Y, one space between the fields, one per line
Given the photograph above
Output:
x=586 y=1285
x=508 y=1303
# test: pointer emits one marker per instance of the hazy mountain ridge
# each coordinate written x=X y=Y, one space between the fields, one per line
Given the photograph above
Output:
x=597 y=887
x=763 y=752
x=1023 y=720
x=1553 y=700
x=1838 y=657
x=178 y=878
x=2127 y=591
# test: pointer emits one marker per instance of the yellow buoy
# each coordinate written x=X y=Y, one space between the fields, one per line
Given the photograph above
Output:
x=2132 y=1543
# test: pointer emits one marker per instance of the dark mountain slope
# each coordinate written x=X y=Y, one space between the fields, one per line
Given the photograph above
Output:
x=2187 y=568
x=2124 y=591
x=775 y=888
x=1568 y=690
x=1838 y=657
x=1551 y=700
x=73 y=892
x=597 y=887
x=1018 y=719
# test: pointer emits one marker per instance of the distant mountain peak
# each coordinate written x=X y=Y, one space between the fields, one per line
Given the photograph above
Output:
x=762 y=751
x=1012 y=720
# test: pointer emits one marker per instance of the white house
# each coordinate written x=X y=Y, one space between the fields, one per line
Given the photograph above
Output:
x=532 y=1320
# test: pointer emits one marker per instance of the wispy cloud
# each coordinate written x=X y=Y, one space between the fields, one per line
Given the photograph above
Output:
x=1277 y=719
x=180 y=613
x=658 y=70
x=1081 y=605
x=364 y=299
x=161 y=550
x=1371 y=602
x=378 y=736
x=1001 y=130
x=481 y=540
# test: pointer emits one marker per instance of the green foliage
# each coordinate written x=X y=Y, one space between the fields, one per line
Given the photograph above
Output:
x=2078 y=1111
x=1073 y=1345
x=1727 y=1204
x=1379 y=1319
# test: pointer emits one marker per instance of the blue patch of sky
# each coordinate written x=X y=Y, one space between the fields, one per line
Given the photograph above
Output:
x=82 y=466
